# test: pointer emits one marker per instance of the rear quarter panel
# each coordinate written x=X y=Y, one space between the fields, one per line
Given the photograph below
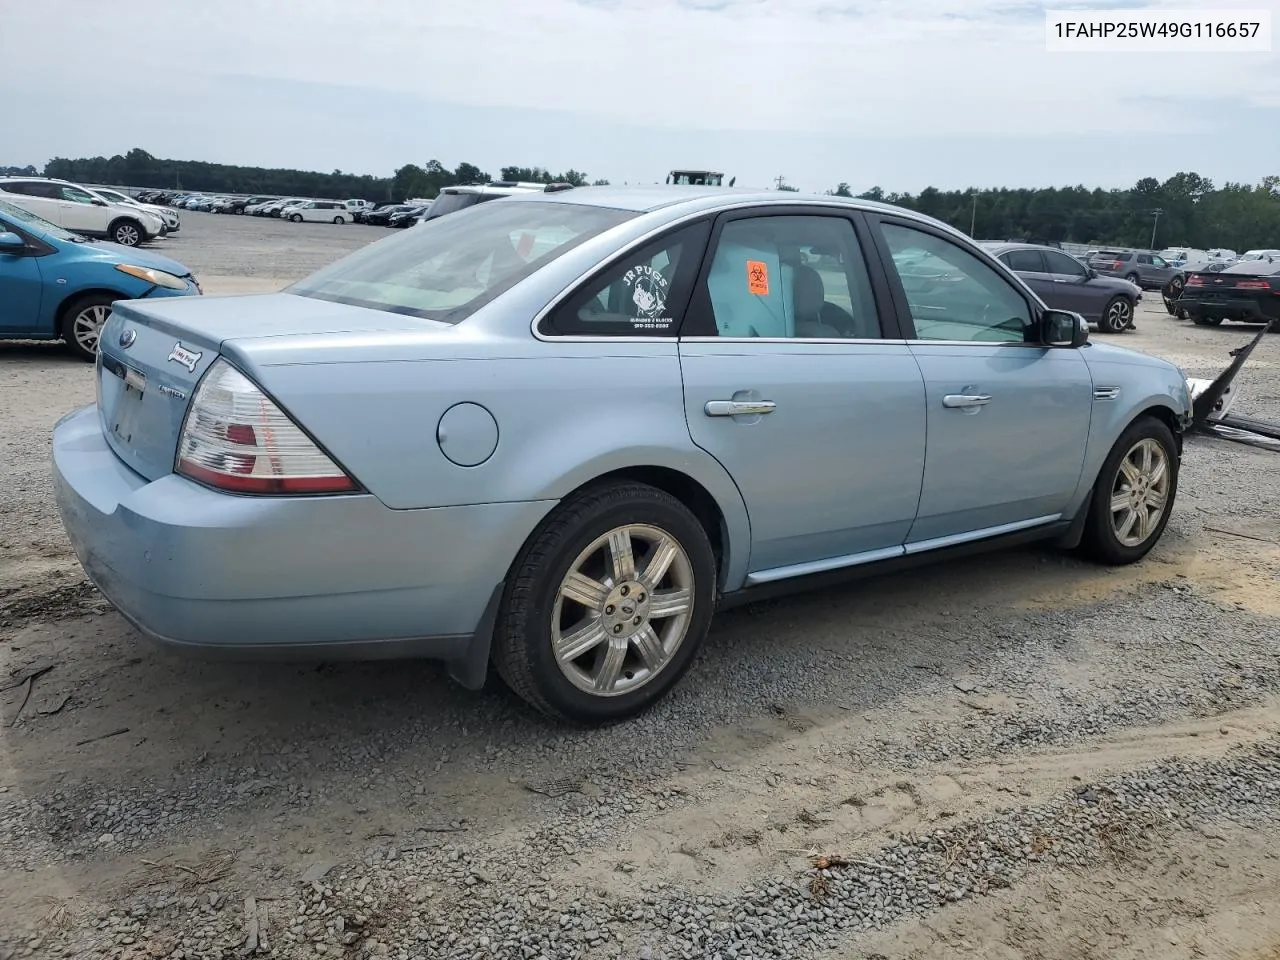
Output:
x=567 y=413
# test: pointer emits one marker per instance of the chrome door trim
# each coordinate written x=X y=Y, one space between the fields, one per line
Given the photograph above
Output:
x=955 y=539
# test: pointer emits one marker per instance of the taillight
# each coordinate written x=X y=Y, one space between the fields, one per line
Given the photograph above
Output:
x=1194 y=281
x=1252 y=285
x=1117 y=264
x=235 y=438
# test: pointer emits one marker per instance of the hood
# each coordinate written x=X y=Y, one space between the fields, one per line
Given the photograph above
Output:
x=1097 y=353
x=115 y=253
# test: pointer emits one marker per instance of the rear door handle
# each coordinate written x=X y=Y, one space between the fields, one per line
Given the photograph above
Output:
x=738 y=408
x=963 y=400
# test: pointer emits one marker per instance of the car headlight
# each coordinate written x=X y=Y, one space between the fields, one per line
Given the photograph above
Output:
x=151 y=275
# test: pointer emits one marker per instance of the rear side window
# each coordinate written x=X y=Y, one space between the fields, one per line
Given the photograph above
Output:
x=1023 y=261
x=641 y=295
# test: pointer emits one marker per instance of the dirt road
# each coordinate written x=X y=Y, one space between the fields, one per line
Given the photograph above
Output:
x=1017 y=756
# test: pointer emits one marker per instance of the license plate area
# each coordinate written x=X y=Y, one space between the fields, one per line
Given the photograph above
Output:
x=128 y=406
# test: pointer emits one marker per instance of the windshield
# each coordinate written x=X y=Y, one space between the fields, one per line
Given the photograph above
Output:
x=447 y=268
x=113 y=196
x=28 y=219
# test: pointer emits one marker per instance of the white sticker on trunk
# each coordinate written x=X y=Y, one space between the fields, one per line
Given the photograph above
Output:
x=188 y=358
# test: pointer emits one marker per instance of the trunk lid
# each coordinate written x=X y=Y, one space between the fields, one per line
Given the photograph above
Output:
x=152 y=354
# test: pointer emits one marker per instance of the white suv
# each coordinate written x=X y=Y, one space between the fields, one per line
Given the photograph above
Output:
x=170 y=217
x=74 y=208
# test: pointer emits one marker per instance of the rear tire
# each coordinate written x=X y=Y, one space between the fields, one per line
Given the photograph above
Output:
x=82 y=322
x=1116 y=316
x=1133 y=495
x=1133 y=278
x=586 y=573
x=296 y=218
x=339 y=220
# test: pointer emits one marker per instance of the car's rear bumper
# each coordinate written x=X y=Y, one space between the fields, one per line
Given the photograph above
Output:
x=1245 y=309
x=284 y=577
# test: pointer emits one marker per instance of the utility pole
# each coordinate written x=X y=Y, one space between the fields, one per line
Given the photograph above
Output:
x=1157 y=211
x=779 y=180
x=973 y=220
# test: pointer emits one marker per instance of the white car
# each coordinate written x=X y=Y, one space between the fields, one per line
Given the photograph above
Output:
x=77 y=209
x=169 y=217
x=452 y=199
x=318 y=211
x=357 y=206
x=1267 y=256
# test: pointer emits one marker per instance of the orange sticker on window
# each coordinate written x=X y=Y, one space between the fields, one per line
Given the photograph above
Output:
x=525 y=246
x=758 y=277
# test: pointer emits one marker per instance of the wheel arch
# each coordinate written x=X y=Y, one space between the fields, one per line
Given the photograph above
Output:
x=713 y=499
x=126 y=218
x=65 y=304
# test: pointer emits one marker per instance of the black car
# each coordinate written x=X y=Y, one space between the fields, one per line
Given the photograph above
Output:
x=1172 y=290
x=406 y=218
x=381 y=217
x=1247 y=292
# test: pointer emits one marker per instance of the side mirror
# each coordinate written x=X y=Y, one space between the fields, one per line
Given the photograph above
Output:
x=11 y=242
x=1062 y=328
x=1090 y=273
x=98 y=202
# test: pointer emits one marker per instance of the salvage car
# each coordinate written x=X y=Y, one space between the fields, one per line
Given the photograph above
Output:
x=55 y=284
x=557 y=432
x=1246 y=292
x=1172 y=290
x=1064 y=283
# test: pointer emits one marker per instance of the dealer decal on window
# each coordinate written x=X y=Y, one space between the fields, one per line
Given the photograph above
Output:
x=649 y=295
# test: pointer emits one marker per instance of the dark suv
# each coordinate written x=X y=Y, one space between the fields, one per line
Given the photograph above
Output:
x=1148 y=270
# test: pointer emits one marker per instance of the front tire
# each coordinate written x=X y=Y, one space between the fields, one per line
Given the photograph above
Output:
x=1134 y=493
x=127 y=233
x=606 y=604
x=1117 y=315
x=82 y=323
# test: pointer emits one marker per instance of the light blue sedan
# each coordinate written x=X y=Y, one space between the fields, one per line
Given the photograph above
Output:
x=55 y=284
x=556 y=432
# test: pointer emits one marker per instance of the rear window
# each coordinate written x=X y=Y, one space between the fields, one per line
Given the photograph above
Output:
x=452 y=203
x=1111 y=255
x=447 y=268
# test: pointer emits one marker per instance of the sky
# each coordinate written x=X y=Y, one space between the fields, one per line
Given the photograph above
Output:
x=900 y=94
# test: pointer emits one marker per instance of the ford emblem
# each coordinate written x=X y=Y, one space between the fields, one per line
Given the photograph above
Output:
x=127 y=337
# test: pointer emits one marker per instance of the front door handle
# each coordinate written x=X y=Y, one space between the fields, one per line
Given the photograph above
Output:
x=738 y=408
x=963 y=400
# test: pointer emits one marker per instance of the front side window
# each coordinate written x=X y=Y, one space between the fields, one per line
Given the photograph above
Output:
x=450 y=267
x=1063 y=265
x=796 y=277
x=953 y=295
x=642 y=295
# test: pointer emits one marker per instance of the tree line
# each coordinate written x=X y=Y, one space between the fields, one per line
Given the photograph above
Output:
x=1185 y=210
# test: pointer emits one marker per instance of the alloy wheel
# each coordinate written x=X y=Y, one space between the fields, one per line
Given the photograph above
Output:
x=1118 y=315
x=623 y=610
x=1140 y=492
x=87 y=326
x=127 y=235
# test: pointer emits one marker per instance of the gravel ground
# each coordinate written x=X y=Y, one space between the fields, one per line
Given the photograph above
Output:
x=878 y=770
